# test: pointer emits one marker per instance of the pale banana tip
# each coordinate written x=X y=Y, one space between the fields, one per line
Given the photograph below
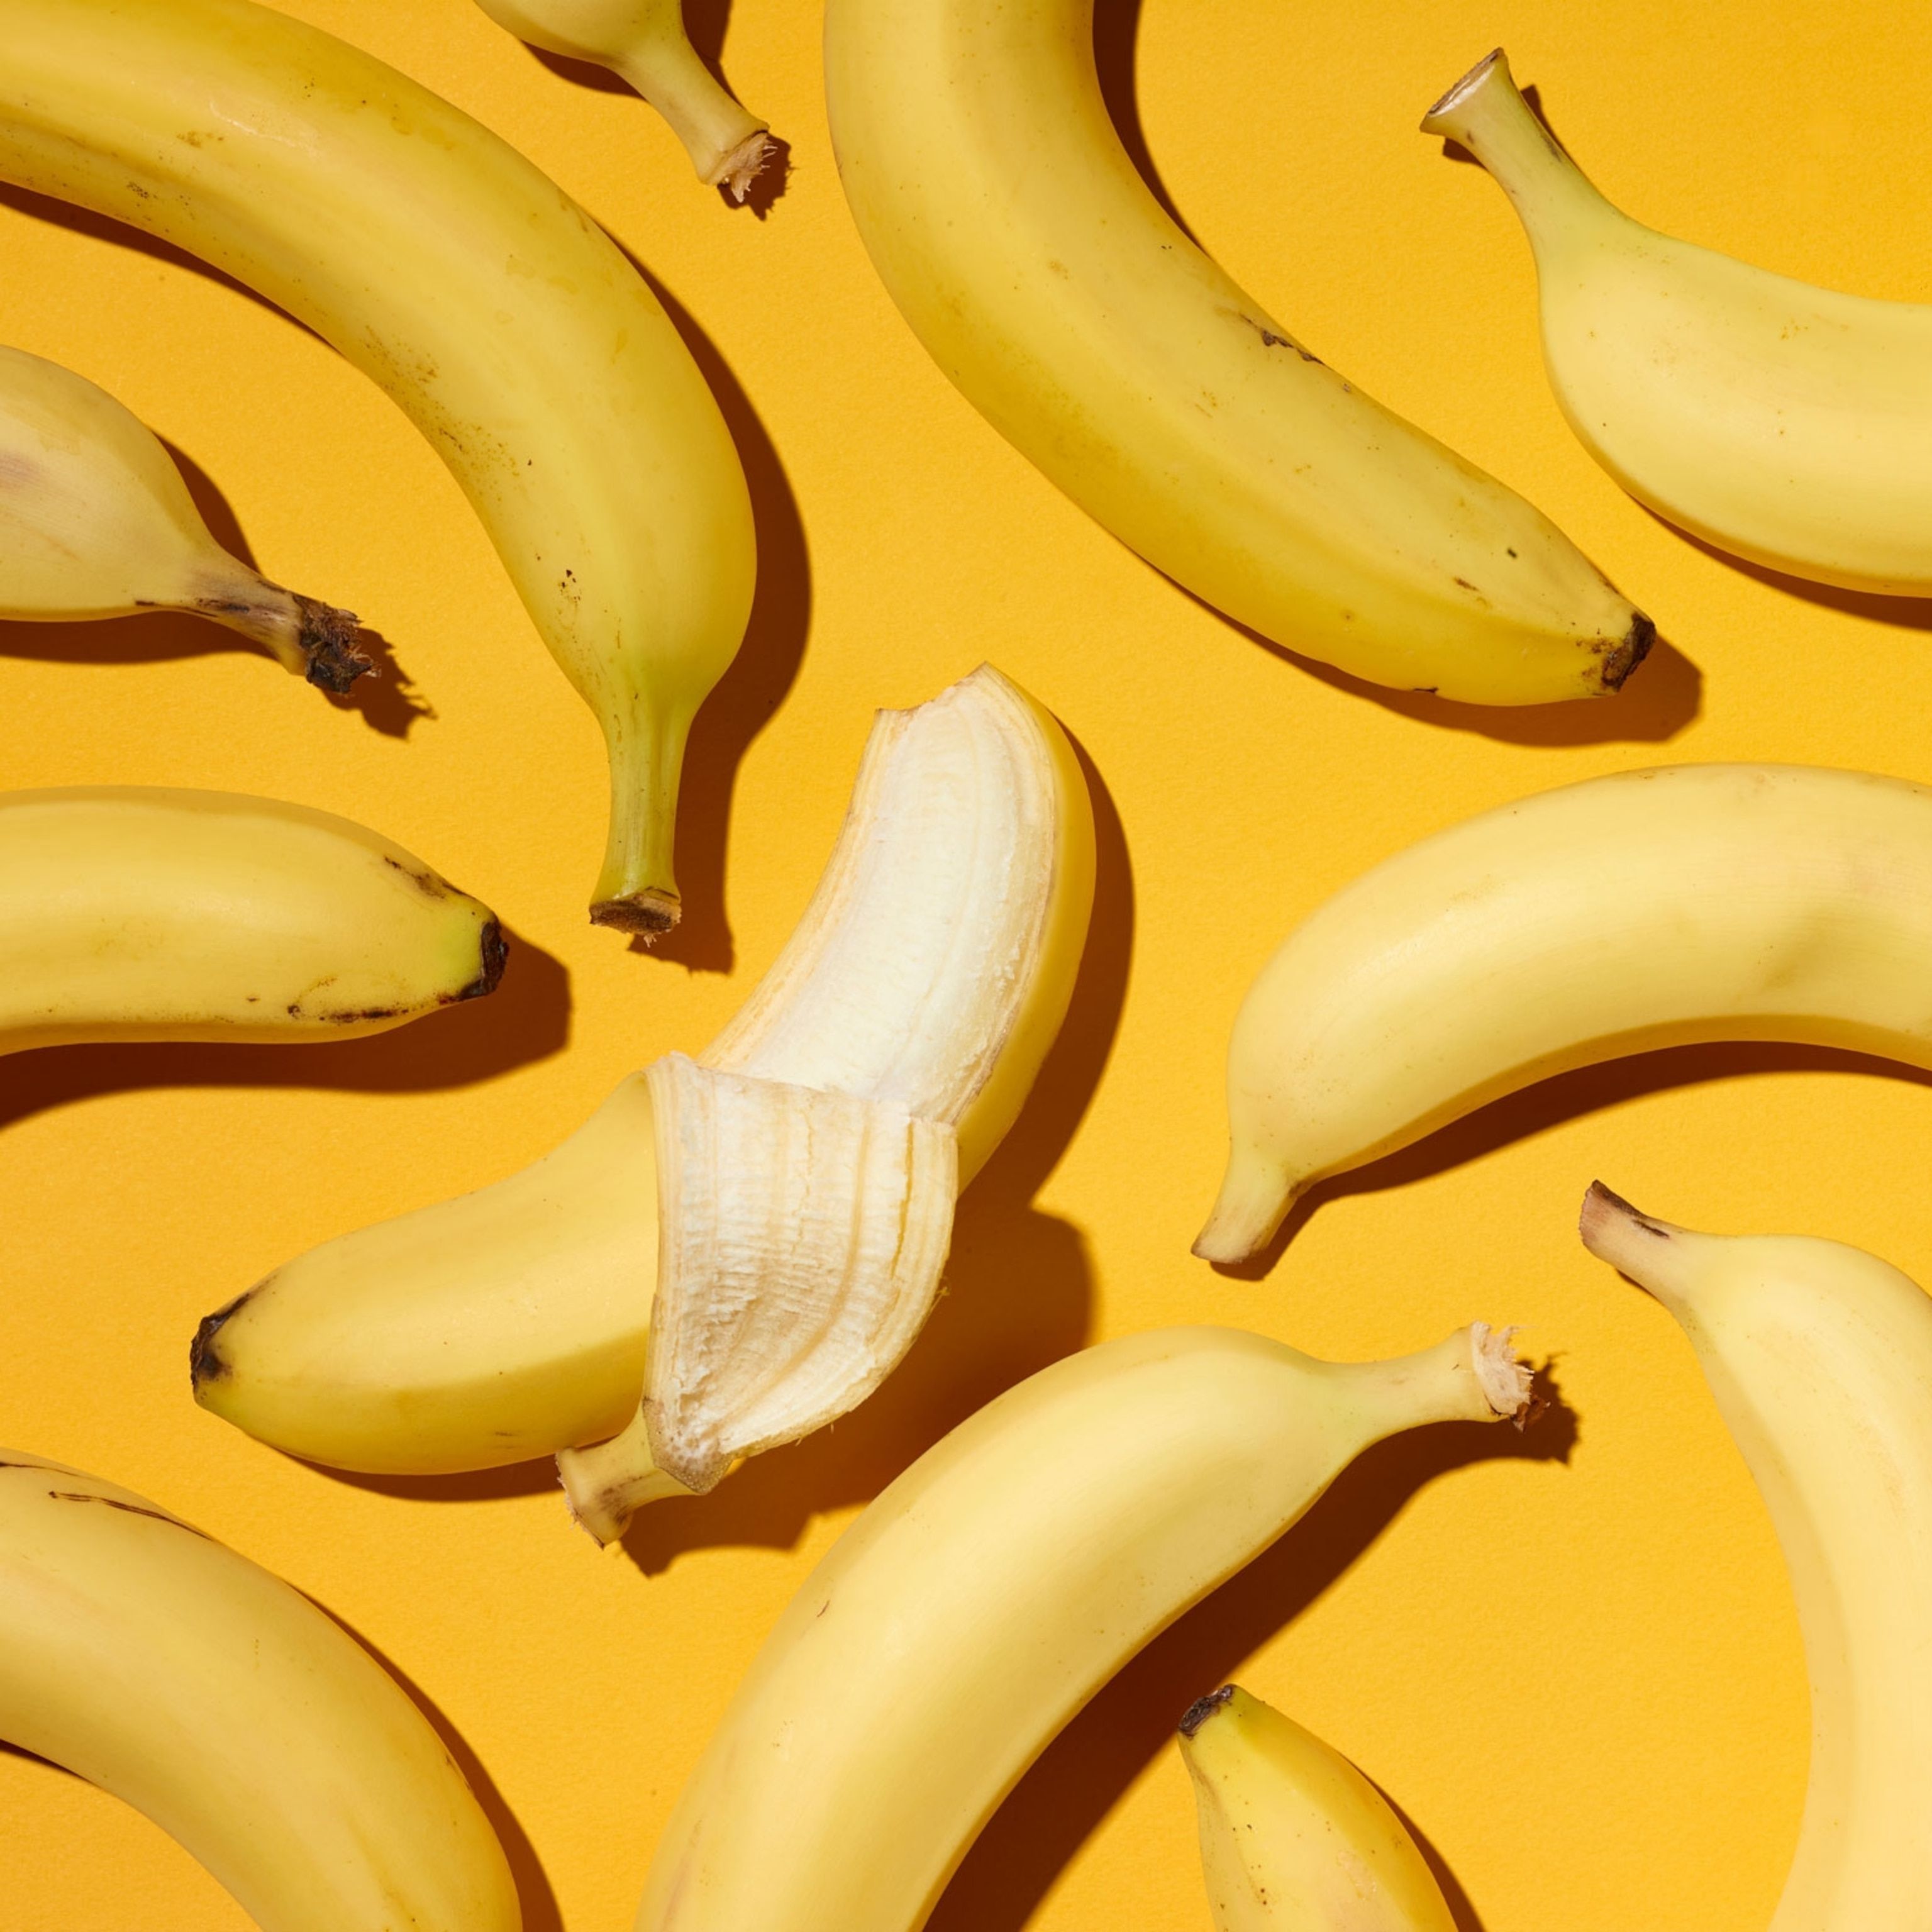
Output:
x=646 y=915
x=1646 y=1250
x=738 y=169
x=1431 y=121
x=1254 y=1202
x=1508 y=1384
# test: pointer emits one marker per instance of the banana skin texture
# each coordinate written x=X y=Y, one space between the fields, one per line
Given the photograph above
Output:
x=1788 y=425
x=980 y=1600
x=1008 y=223
x=486 y=302
x=1820 y=1358
x=145 y=1657
x=128 y=913
x=1643 y=910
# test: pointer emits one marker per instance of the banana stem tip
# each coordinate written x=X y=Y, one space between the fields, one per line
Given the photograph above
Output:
x=1470 y=80
x=1197 y=1713
x=646 y=915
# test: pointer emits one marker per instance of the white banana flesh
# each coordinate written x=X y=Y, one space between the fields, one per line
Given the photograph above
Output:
x=979 y=1602
x=1293 y=1838
x=148 y=1659
x=868 y=1075
x=95 y=521
x=644 y=41
x=1008 y=224
x=1644 y=910
x=487 y=303
x=1788 y=424
x=1820 y=1358
x=133 y=913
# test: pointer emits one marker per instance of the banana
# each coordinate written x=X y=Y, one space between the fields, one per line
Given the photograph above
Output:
x=132 y=913
x=974 y=1608
x=96 y=522
x=1293 y=1838
x=788 y=1193
x=1820 y=1357
x=1643 y=910
x=1008 y=224
x=486 y=302
x=148 y=1659
x=644 y=41
x=1788 y=425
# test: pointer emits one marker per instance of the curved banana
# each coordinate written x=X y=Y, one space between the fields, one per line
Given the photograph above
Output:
x=906 y=1018
x=1788 y=425
x=979 y=1602
x=133 y=913
x=1008 y=223
x=644 y=41
x=1820 y=1357
x=152 y=1661
x=1644 y=910
x=1293 y=1838
x=485 y=302
x=96 y=522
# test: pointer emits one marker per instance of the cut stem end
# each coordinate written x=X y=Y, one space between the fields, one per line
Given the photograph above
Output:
x=646 y=915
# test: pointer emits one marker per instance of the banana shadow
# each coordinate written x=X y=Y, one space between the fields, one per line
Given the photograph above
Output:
x=1116 y=28
x=1461 y=1909
x=1552 y=1103
x=1019 y=1286
x=526 y=1020
x=541 y=1911
x=1904 y=613
x=1060 y=1802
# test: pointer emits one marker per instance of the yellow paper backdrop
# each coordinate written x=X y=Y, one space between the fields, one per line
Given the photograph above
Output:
x=1573 y=1661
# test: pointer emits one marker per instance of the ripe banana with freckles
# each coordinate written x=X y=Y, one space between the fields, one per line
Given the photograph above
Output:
x=1644 y=910
x=144 y=1657
x=955 y=1628
x=96 y=522
x=1008 y=224
x=772 y=1215
x=1820 y=1358
x=489 y=305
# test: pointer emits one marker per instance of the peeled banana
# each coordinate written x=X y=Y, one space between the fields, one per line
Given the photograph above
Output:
x=485 y=302
x=1788 y=425
x=1644 y=910
x=1820 y=1357
x=131 y=914
x=1293 y=1838
x=644 y=41
x=979 y=1602
x=96 y=522
x=1008 y=224
x=148 y=1659
x=788 y=1195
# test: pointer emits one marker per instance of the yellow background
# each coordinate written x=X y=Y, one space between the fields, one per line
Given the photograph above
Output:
x=1572 y=1660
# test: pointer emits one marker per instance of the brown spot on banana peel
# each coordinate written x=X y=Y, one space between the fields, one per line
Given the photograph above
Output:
x=1197 y=1713
x=132 y=1509
x=204 y=1364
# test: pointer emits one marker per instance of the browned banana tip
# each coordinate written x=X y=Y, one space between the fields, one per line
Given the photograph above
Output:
x=1623 y=657
x=647 y=915
x=1197 y=1713
x=493 y=950
x=328 y=640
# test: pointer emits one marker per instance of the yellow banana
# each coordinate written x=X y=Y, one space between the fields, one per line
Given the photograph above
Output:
x=867 y=1076
x=1293 y=1838
x=1647 y=909
x=476 y=293
x=1820 y=1357
x=1008 y=224
x=148 y=1659
x=644 y=41
x=974 y=1608
x=96 y=522
x=130 y=914
x=1786 y=424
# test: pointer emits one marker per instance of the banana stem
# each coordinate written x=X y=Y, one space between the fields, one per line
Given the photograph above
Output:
x=1651 y=1253
x=726 y=145
x=606 y=1483
x=1256 y=1196
x=1470 y=1376
x=637 y=891
x=311 y=639
x=1485 y=113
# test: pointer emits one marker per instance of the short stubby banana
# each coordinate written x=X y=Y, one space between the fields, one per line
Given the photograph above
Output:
x=772 y=1215
x=1644 y=910
x=96 y=522
x=1293 y=1838
x=1008 y=223
x=487 y=303
x=151 y=1661
x=644 y=41
x=979 y=1602
x=1788 y=424
x=1820 y=1357
x=133 y=914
